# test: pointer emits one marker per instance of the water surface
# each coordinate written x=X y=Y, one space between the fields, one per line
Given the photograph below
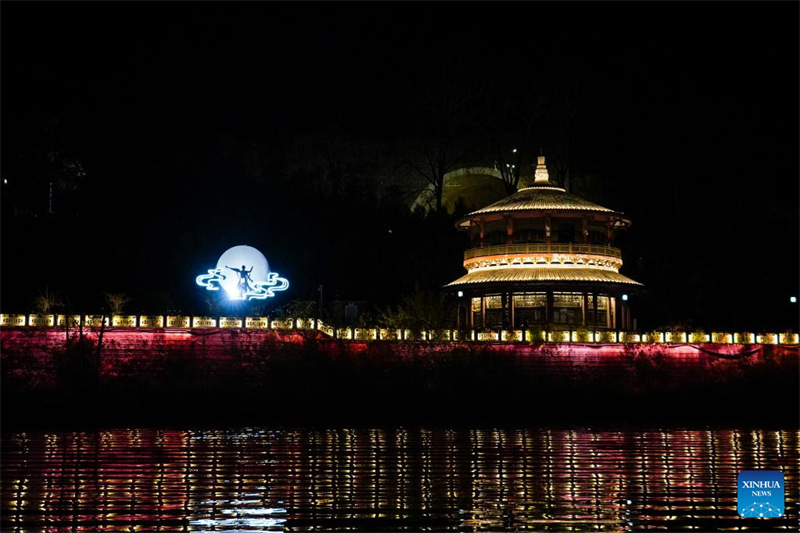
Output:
x=388 y=479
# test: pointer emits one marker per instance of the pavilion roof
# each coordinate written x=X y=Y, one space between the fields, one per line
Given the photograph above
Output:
x=543 y=195
x=559 y=273
x=538 y=198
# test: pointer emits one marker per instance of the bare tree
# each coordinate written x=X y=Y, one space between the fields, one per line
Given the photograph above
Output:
x=47 y=302
x=65 y=173
x=329 y=164
x=510 y=132
x=447 y=107
x=115 y=303
x=48 y=174
x=564 y=108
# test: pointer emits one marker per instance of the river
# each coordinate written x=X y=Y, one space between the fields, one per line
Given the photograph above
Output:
x=389 y=479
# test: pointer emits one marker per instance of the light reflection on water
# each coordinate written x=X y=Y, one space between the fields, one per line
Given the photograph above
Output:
x=388 y=479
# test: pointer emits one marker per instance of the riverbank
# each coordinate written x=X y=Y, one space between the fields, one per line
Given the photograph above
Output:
x=240 y=378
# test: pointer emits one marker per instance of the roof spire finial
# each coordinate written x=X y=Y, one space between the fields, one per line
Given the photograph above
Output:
x=541 y=177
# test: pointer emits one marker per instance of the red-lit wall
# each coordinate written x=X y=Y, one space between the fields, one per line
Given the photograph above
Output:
x=28 y=355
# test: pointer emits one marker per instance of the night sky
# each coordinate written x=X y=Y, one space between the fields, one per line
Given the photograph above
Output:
x=186 y=117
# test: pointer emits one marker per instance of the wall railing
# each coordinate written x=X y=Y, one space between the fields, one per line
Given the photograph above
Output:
x=541 y=248
x=184 y=323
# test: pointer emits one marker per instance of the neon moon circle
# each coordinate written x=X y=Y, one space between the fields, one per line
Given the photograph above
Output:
x=243 y=273
x=241 y=257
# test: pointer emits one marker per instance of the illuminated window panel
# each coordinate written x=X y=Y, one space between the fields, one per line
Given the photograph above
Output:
x=530 y=300
x=494 y=302
x=567 y=299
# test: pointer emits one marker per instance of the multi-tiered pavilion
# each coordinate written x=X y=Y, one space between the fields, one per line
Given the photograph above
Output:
x=544 y=256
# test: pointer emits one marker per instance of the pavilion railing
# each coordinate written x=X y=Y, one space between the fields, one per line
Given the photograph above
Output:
x=185 y=323
x=538 y=248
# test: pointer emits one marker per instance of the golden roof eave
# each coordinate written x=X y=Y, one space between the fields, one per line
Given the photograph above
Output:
x=541 y=274
x=543 y=199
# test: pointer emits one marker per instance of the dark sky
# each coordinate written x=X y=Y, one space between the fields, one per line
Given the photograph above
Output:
x=689 y=115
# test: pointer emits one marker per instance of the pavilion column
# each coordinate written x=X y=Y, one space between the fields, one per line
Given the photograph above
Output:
x=503 y=310
x=549 y=308
x=585 y=230
x=471 y=314
x=483 y=312
x=624 y=316
x=628 y=323
x=612 y=302
x=511 y=306
x=609 y=316
x=584 y=307
x=594 y=311
x=547 y=228
x=481 y=236
x=509 y=230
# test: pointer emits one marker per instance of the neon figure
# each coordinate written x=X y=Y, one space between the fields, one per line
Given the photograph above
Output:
x=210 y=281
x=244 y=280
x=255 y=283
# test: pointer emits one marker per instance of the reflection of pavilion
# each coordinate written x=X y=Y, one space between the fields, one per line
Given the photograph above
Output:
x=544 y=256
x=387 y=479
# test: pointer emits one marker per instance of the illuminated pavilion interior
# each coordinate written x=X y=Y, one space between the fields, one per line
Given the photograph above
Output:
x=544 y=256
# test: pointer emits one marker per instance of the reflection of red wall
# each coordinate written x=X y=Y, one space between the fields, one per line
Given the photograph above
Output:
x=216 y=351
x=121 y=479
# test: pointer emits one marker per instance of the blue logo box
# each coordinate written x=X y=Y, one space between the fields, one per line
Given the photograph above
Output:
x=760 y=493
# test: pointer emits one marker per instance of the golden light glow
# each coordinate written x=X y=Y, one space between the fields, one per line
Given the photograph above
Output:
x=564 y=260
x=41 y=320
x=529 y=300
x=366 y=334
x=547 y=198
x=124 y=321
x=178 y=321
x=541 y=176
x=768 y=338
x=71 y=320
x=230 y=322
x=505 y=274
x=12 y=320
x=260 y=322
x=672 y=336
x=204 y=322
x=151 y=321
x=286 y=323
x=521 y=301
x=325 y=328
x=95 y=321
x=533 y=248
x=304 y=323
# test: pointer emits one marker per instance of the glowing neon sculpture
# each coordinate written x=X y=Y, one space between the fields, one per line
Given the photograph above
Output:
x=253 y=281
